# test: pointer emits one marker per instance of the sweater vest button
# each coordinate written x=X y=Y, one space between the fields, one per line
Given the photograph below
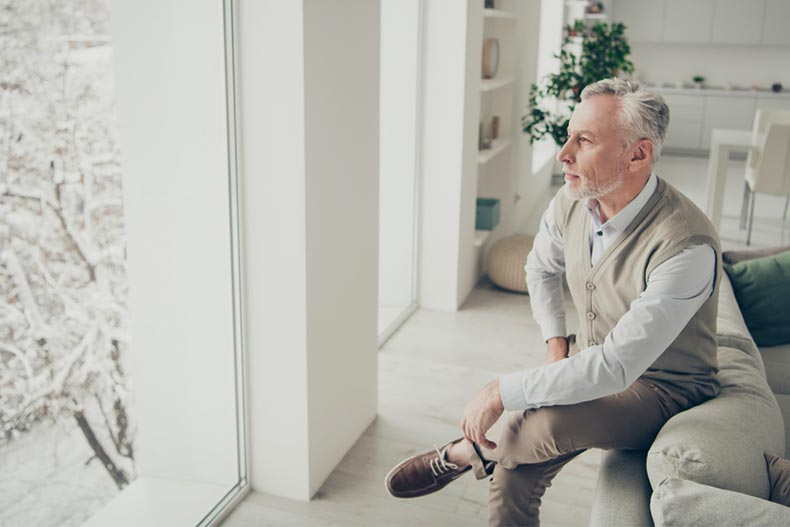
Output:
x=590 y=286
x=590 y=315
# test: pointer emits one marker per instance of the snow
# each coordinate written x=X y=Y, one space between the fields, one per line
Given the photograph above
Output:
x=45 y=480
x=63 y=288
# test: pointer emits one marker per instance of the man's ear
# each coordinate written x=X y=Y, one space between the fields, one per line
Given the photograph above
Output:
x=643 y=152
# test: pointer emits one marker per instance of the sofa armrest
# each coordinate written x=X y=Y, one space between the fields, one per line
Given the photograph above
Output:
x=622 y=495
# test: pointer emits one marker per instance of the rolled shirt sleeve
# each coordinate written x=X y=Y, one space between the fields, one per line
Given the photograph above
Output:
x=675 y=291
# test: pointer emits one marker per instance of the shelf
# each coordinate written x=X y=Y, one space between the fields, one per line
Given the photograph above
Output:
x=481 y=237
x=497 y=146
x=595 y=16
x=493 y=84
x=498 y=13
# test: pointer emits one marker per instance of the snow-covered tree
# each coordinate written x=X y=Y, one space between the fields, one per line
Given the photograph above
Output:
x=63 y=288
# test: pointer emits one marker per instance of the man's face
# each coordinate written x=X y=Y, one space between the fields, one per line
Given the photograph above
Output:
x=595 y=157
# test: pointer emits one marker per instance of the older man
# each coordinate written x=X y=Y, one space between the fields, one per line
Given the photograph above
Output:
x=642 y=264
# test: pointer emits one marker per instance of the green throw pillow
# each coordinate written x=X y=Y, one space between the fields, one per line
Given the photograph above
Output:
x=762 y=287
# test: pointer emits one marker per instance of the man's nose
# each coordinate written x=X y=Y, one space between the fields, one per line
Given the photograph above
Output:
x=565 y=154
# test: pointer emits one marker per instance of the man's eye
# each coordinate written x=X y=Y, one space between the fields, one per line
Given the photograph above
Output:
x=584 y=139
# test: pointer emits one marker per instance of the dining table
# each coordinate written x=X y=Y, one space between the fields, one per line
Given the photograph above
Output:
x=723 y=143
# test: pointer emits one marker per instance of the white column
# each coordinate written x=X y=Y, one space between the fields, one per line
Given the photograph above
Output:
x=451 y=108
x=309 y=74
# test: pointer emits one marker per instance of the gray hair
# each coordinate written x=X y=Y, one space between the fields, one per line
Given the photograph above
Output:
x=643 y=113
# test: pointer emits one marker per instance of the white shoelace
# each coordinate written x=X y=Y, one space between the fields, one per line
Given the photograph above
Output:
x=440 y=465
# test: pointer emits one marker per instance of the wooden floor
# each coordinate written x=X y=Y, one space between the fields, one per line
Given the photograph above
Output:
x=428 y=371
x=434 y=364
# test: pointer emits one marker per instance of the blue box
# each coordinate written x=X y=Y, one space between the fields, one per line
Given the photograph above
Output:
x=487 y=216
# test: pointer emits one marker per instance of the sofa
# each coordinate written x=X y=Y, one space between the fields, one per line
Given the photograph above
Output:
x=707 y=462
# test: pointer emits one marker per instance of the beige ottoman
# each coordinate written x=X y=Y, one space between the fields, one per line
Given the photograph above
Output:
x=505 y=262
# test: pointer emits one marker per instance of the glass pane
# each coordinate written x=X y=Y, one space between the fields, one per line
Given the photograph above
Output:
x=400 y=23
x=80 y=433
x=68 y=422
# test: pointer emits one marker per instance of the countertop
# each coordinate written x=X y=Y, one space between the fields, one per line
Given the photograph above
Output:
x=719 y=91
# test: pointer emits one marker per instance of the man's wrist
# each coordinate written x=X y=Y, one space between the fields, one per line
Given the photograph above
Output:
x=558 y=346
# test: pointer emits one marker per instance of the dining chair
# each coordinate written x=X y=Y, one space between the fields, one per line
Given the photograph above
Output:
x=768 y=169
x=762 y=117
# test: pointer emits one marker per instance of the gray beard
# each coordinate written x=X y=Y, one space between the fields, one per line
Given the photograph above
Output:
x=585 y=191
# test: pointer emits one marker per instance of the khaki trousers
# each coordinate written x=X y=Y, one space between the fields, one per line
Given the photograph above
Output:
x=535 y=444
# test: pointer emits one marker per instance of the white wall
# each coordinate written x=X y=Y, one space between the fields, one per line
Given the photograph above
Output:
x=550 y=14
x=539 y=38
x=170 y=85
x=309 y=161
x=737 y=65
x=444 y=106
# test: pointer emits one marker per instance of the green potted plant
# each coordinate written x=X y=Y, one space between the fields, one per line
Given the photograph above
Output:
x=699 y=81
x=604 y=54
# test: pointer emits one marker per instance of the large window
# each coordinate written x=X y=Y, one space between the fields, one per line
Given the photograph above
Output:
x=68 y=420
x=399 y=138
x=120 y=351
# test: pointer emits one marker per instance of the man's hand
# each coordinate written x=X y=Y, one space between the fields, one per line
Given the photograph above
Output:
x=558 y=349
x=481 y=413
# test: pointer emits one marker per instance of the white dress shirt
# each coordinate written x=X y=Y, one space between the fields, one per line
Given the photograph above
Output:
x=675 y=291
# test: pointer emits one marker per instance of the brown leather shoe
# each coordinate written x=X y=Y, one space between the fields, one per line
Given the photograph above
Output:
x=423 y=474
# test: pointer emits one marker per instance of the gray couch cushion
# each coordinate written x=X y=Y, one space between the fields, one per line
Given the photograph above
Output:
x=730 y=321
x=777 y=367
x=784 y=406
x=777 y=371
x=622 y=473
x=721 y=442
x=731 y=330
x=683 y=503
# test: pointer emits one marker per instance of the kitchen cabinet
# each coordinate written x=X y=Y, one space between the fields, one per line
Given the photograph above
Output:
x=686 y=113
x=726 y=112
x=738 y=21
x=777 y=16
x=688 y=21
x=693 y=114
x=773 y=104
x=751 y=22
x=643 y=19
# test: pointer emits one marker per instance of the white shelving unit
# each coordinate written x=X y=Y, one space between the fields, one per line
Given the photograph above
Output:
x=495 y=165
x=481 y=237
x=457 y=98
x=487 y=85
x=498 y=13
x=497 y=147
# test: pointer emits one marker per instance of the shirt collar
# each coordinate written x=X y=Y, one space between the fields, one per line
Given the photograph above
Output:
x=622 y=219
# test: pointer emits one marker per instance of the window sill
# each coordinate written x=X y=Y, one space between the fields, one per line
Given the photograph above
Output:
x=168 y=502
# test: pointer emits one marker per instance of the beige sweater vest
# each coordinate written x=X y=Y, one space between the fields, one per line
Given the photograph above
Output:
x=668 y=223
